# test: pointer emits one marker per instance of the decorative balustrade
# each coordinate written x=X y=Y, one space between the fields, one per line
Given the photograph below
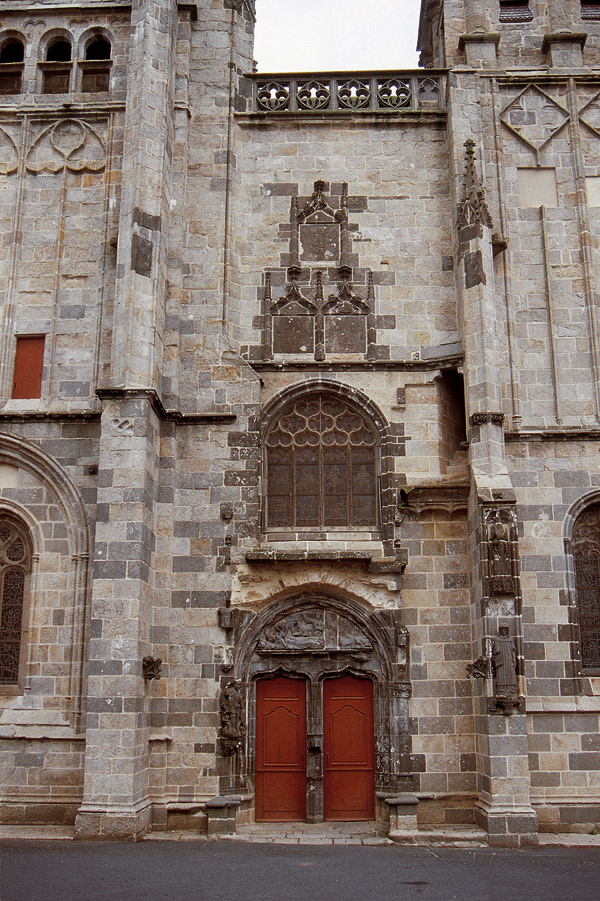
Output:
x=346 y=92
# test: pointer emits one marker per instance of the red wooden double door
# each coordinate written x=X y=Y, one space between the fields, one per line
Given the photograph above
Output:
x=348 y=749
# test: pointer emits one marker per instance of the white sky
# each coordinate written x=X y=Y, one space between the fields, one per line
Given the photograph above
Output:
x=305 y=35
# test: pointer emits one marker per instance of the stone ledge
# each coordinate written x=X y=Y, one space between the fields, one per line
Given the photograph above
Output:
x=157 y=405
x=278 y=556
x=482 y=37
x=564 y=37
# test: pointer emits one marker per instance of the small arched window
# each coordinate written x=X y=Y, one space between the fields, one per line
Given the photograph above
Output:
x=321 y=466
x=98 y=49
x=15 y=567
x=59 y=51
x=585 y=545
x=12 y=54
x=95 y=68
x=57 y=67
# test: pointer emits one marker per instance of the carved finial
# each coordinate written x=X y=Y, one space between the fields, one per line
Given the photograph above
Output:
x=267 y=286
x=319 y=286
x=370 y=289
x=474 y=209
x=471 y=174
x=345 y=195
x=294 y=237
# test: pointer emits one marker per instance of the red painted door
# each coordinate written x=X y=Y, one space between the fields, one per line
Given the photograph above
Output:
x=349 y=749
x=280 y=750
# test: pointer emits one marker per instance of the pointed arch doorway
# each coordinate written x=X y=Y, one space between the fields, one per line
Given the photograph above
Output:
x=348 y=751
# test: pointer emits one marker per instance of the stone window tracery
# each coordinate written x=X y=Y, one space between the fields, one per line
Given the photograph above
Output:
x=321 y=466
x=586 y=556
x=15 y=566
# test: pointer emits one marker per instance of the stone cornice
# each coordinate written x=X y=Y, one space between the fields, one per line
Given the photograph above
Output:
x=157 y=405
x=482 y=37
x=564 y=37
x=574 y=434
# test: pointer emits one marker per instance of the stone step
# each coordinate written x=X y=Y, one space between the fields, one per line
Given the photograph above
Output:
x=459 y=836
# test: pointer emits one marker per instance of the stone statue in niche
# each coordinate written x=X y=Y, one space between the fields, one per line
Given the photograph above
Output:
x=500 y=550
x=231 y=707
x=504 y=656
x=501 y=539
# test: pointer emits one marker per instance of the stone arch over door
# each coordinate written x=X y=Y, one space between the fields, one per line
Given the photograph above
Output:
x=315 y=636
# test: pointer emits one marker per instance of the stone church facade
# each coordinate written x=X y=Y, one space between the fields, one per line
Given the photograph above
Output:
x=300 y=424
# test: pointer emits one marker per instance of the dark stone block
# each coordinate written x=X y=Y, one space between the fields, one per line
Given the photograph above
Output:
x=193 y=564
x=105 y=705
x=468 y=763
x=474 y=272
x=584 y=761
x=105 y=667
x=141 y=255
x=199 y=598
x=109 y=569
x=418 y=763
x=456 y=580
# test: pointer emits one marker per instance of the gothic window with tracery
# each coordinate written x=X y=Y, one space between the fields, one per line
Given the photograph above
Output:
x=586 y=556
x=15 y=563
x=321 y=466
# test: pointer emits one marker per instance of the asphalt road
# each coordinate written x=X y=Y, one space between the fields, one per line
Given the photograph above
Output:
x=236 y=871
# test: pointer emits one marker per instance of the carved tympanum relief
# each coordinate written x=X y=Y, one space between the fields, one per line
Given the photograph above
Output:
x=313 y=630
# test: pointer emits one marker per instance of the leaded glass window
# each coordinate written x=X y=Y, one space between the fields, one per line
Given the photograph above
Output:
x=586 y=555
x=321 y=466
x=15 y=561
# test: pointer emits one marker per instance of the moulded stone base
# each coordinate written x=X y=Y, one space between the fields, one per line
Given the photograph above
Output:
x=508 y=828
x=44 y=813
x=575 y=817
x=113 y=824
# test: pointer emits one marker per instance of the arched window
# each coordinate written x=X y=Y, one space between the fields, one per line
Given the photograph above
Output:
x=12 y=54
x=585 y=545
x=321 y=466
x=56 y=69
x=15 y=566
x=59 y=51
x=95 y=68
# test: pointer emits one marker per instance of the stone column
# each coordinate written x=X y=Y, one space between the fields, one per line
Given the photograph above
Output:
x=116 y=802
x=140 y=287
x=504 y=808
x=565 y=42
x=563 y=14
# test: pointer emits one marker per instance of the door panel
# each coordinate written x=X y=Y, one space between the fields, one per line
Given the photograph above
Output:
x=349 y=746
x=280 y=750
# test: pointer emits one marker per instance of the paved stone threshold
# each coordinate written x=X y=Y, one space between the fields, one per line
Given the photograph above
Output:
x=318 y=834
